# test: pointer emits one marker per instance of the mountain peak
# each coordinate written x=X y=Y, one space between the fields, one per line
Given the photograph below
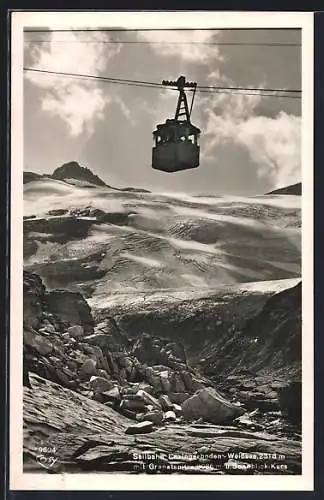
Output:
x=73 y=170
x=293 y=189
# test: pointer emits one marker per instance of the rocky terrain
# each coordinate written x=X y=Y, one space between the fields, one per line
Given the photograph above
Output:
x=293 y=189
x=155 y=323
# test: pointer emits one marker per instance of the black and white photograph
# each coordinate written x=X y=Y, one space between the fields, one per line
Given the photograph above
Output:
x=161 y=324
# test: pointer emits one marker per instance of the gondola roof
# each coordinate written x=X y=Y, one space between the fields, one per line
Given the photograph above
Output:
x=173 y=123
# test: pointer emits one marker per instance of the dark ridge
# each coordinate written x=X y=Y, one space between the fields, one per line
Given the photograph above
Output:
x=73 y=170
x=134 y=190
x=269 y=340
x=31 y=176
x=293 y=189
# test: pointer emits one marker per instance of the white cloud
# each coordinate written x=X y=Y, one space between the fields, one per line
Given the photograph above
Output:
x=77 y=106
x=79 y=102
x=165 y=106
x=189 y=45
x=273 y=143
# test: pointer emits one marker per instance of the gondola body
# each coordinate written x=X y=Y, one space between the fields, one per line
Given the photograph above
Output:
x=176 y=142
x=175 y=146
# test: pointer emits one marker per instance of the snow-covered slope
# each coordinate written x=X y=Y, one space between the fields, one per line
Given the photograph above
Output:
x=100 y=240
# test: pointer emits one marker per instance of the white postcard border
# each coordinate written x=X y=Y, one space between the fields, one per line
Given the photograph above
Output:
x=160 y=20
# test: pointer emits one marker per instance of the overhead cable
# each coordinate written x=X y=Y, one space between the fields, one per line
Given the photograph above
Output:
x=267 y=92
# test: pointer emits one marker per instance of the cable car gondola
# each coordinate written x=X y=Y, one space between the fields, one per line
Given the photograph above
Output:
x=176 y=144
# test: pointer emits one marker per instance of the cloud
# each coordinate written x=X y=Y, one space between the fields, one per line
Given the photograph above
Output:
x=164 y=106
x=79 y=102
x=189 y=45
x=78 y=107
x=273 y=143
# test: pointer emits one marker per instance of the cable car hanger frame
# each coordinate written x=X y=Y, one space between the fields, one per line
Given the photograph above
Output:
x=176 y=141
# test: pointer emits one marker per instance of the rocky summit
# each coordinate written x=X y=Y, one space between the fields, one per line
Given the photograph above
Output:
x=158 y=323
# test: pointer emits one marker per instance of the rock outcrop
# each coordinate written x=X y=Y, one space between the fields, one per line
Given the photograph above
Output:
x=33 y=300
x=269 y=340
x=293 y=189
x=144 y=385
x=142 y=379
x=31 y=176
x=290 y=399
x=211 y=406
x=62 y=344
x=71 y=309
x=72 y=170
x=56 y=309
x=84 y=436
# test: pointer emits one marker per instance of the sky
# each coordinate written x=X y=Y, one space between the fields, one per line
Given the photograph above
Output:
x=250 y=144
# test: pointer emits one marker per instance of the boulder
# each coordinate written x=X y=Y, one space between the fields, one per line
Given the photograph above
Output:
x=177 y=409
x=177 y=350
x=40 y=344
x=123 y=374
x=103 y=340
x=211 y=406
x=178 y=397
x=165 y=402
x=187 y=380
x=154 y=416
x=103 y=373
x=141 y=372
x=132 y=404
x=248 y=384
x=272 y=395
x=144 y=386
x=160 y=368
x=264 y=389
x=276 y=385
x=70 y=308
x=130 y=368
x=64 y=379
x=75 y=331
x=48 y=327
x=149 y=400
x=198 y=383
x=97 y=354
x=98 y=396
x=149 y=350
x=104 y=327
x=165 y=382
x=132 y=389
x=140 y=428
x=177 y=384
x=55 y=360
x=72 y=365
x=132 y=396
x=170 y=416
x=100 y=384
x=153 y=378
x=113 y=394
x=88 y=368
